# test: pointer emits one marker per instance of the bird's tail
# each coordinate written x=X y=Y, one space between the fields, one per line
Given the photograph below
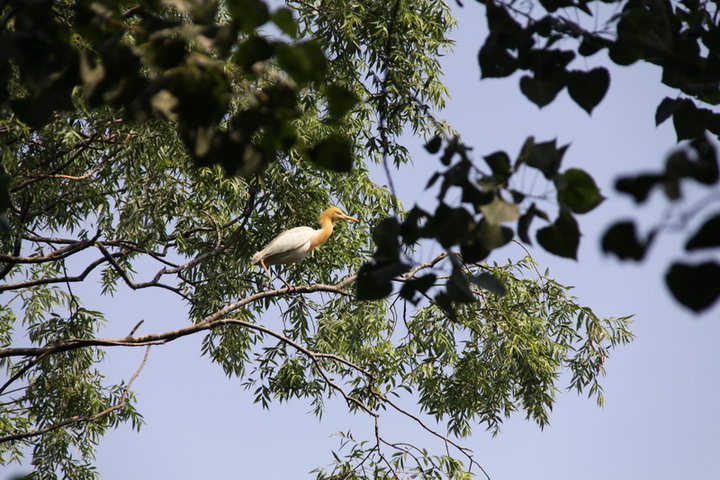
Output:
x=257 y=257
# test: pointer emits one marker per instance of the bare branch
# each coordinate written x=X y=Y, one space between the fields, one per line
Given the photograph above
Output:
x=57 y=254
x=65 y=279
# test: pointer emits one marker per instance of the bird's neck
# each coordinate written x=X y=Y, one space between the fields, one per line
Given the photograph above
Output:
x=321 y=236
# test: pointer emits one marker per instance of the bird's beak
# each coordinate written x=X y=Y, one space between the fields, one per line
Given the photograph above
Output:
x=348 y=217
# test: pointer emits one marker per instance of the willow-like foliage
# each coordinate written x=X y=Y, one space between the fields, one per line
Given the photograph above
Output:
x=106 y=202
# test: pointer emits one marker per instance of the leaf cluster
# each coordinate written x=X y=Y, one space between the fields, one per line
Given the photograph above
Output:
x=679 y=37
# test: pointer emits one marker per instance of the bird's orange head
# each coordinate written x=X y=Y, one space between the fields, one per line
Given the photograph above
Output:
x=334 y=213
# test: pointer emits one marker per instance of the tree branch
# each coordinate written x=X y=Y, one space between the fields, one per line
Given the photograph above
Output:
x=57 y=254
x=65 y=279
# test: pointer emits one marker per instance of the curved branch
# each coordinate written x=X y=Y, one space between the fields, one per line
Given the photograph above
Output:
x=57 y=254
x=65 y=279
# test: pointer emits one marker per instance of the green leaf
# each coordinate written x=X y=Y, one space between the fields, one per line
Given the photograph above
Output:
x=333 y=153
x=249 y=14
x=490 y=282
x=500 y=211
x=577 y=191
x=284 y=20
x=254 y=49
x=708 y=236
x=588 y=88
x=492 y=235
x=305 y=62
x=622 y=240
x=540 y=92
x=340 y=100
x=562 y=237
x=695 y=286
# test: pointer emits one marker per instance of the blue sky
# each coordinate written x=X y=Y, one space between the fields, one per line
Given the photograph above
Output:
x=660 y=421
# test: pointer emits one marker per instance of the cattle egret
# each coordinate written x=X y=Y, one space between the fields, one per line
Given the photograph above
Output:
x=293 y=245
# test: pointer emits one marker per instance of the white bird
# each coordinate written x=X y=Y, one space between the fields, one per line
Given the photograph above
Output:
x=293 y=245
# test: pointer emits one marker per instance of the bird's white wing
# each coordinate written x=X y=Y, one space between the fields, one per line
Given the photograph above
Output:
x=288 y=247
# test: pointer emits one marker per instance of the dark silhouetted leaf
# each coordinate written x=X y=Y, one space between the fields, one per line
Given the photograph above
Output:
x=375 y=279
x=385 y=235
x=495 y=61
x=518 y=197
x=589 y=46
x=433 y=178
x=474 y=196
x=420 y=284
x=451 y=225
x=415 y=226
x=451 y=149
x=708 y=236
x=705 y=169
x=577 y=191
x=490 y=282
x=540 y=92
x=526 y=219
x=622 y=240
x=588 y=88
x=433 y=146
x=458 y=289
x=484 y=238
x=665 y=109
x=639 y=187
x=333 y=153
x=552 y=5
x=562 y=237
x=545 y=156
x=695 y=286
x=690 y=121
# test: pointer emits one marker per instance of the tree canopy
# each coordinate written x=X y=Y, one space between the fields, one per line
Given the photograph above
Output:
x=158 y=144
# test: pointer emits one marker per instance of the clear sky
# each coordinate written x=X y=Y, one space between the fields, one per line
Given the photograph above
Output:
x=661 y=419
